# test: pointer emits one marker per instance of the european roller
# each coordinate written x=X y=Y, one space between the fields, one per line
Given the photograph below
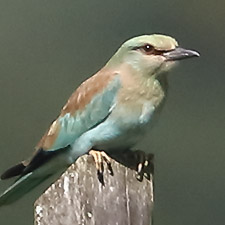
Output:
x=111 y=111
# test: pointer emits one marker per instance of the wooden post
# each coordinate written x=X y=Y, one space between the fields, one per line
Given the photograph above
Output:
x=78 y=198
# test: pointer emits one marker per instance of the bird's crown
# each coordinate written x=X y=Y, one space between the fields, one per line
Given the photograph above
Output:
x=158 y=41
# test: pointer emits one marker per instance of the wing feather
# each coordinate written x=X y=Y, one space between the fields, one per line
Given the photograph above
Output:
x=90 y=104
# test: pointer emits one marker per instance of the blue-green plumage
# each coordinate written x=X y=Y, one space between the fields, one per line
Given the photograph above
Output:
x=73 y=126
x=110 y=111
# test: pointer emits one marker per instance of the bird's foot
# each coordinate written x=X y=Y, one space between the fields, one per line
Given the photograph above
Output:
x=99 y=158
x=145 y=165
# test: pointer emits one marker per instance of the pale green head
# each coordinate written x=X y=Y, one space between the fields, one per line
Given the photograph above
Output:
x=151 y=54
x=158 y=41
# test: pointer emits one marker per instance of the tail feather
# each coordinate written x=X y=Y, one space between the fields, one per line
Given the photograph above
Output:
x=31 y=173
x=22 y=186
x=13 y=171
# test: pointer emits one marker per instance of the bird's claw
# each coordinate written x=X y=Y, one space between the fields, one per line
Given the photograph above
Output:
x=99 y=158
x=144 y=166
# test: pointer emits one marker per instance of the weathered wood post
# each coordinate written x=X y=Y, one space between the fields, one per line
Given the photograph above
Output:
x=78 y=197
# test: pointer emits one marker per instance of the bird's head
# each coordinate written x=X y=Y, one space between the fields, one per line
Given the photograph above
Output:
x=151 y=54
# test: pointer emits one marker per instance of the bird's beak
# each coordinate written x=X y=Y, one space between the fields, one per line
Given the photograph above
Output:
x=180 y=53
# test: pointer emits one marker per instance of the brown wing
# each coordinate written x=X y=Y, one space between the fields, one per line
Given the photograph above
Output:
x=76 y=103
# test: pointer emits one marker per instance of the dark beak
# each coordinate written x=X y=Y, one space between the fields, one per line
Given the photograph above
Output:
x=180 y=53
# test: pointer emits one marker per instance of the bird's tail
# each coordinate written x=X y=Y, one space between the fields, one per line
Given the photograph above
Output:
x=31 y=173
x=22 y=186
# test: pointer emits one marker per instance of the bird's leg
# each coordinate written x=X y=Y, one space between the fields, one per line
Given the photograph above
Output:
x=100 y=157
x=144 y=166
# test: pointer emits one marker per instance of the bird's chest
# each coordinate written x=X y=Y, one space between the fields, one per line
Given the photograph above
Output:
x=127 y=125
x=136 y=105
x=133 y=117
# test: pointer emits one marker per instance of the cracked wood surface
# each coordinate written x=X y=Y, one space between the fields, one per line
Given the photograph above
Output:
x=78 y=197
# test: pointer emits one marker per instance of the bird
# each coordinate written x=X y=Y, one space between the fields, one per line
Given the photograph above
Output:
x=109 y=112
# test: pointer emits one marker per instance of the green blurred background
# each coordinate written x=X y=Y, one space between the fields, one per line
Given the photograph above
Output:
x=48 y=47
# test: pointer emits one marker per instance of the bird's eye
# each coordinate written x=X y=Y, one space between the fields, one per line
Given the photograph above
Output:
x=148 y=49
